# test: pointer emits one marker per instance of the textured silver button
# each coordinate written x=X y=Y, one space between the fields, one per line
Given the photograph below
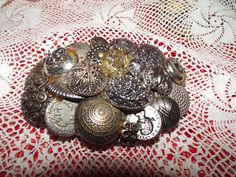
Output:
x=86 y=79
x=150 y=56
x=181 y=96
x=59 y=117
x=59 y=62
x=169 y=111
x=128 y=93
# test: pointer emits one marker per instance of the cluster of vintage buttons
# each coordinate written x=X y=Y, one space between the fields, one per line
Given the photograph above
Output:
x=106 y=92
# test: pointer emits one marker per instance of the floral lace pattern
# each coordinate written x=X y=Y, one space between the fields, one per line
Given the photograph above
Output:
x=200 y=34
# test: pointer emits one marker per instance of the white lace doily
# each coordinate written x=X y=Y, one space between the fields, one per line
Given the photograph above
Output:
x=201 y=34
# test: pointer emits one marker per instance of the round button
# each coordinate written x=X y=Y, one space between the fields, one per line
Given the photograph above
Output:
x=175 y=70
x=59 y=117
x=169 y=111
x=97 y=121
x=86 y=79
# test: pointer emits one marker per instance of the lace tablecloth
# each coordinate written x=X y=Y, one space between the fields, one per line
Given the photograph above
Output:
x=201 y=34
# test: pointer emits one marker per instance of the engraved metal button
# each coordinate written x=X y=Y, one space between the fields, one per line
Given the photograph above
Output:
x=59 y=117
x=128 y=93
x=168 y=110
x=150 y=56
x=86 y=79
x=35 y=97
x=181 y=96
x=175 y=70
x=59 y=62
x=149 y=122
x=97 y=121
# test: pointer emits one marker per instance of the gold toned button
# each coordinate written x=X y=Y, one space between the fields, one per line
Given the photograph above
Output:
x=97 y=121
x=115 y=63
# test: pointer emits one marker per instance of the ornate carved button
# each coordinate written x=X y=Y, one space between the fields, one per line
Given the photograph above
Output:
x=59 y=62
x=150 y=56
x=86 y=79
x=128 y=93
x=59 y=117
x=35 y=97
x=97 y=121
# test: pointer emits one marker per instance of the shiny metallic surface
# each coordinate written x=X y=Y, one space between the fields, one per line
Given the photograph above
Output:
x=128 y=134
x=86 y=79
x=135 y=69
x=59 y=117
x=35 y=97
x=176 y=71
x=115 y=63
x=160 y=82
x=168 y=110
x=96 y=53
x=59 y=62
x=128 y=93
x=181 y=96
x=78 y=48
x=97 y=121
x=60 y=89
x=150 y=56
x=149 y=122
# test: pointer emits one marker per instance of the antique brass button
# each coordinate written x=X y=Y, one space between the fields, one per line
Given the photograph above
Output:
x=97 y=121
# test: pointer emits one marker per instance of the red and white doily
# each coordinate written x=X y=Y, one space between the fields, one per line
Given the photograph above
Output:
x=200 y=34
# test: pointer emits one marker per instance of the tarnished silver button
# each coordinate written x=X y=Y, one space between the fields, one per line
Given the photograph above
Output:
x=35 y=97
x=86 y=79
x=175 y=70
x=59 y=117
x=128 y=93
x=181 y=96
x=169 y=111
x=59 y=62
